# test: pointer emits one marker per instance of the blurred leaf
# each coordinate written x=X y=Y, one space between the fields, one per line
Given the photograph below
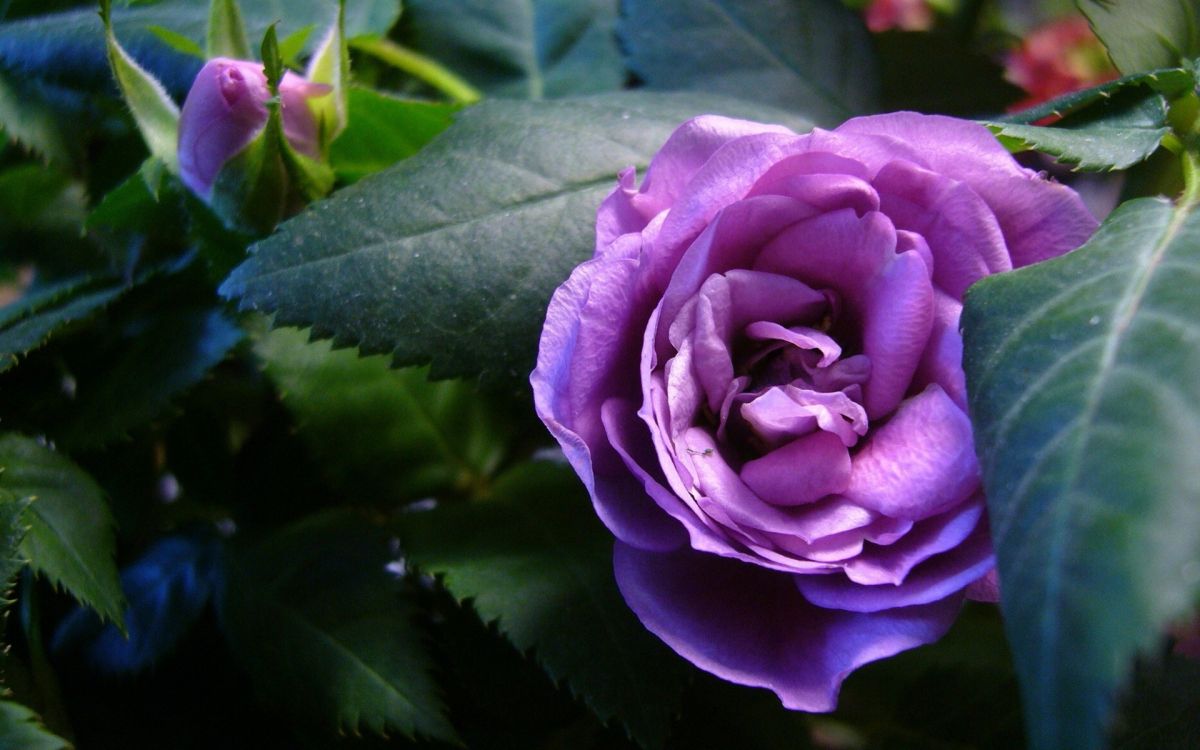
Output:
x=177 y=42
x=326 y=634
x=167 y=588
x=534 y=558
x=330 y=65
x=69 y=46
x=152 y=359
x=33 y=319
x=12 y=530
x=808 y=56
x=70 y=538
x=361 y=419
x=1117 y=134
x=1169 y=82
x=938 y=73
x=451 y=255
x=226 y=31
x=526 y=49
x=35 y=198
x=1084 y=376
x=382 y=130
x=1147 y=34
x=21 y=728
x=28 y=118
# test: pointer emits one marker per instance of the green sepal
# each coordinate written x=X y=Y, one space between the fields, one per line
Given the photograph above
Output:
x=155 y=113
x=330 y=65
x=226 y=31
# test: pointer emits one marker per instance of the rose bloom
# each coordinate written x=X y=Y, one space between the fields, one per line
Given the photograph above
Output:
x=906 y=15
x=1057 y=58
x=758 y=379
x=226 y=110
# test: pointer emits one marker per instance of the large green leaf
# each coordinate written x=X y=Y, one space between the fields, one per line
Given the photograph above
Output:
x=12 y=530
x=451 y=256
x=21 y=728
x=528 y=49
x=1084 y=375
x=810 y=56
x=70 y=538
x=1123 y=131
x=382 y=130
x=535 y=558
x=1146 y=34
x=361 y=418
x=69 y=46
x=326 y=634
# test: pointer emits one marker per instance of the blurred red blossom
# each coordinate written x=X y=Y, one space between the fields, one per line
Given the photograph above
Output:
x=1057 y=58
x=906 y=15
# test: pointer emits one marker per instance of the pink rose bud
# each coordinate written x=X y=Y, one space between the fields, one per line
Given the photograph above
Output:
x=226 y=110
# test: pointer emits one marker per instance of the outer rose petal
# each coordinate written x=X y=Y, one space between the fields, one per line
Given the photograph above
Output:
x=751 y=626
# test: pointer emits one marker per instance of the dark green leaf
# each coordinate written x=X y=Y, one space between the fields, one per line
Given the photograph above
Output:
x=12 y=530
x=382 y=130
x=528 y=49
x=1147 y=34
x=21 y=728
x=809 y=56
x=153 y=360
x=70 y=538
x=69 y=46
x=452 y=255
x=1084 y=375
x=1117 y=134
x=534 y=558
x=327 y=635
x=32 y=320
x=177 y=42
x=1169 y=82
x=27 y=117
x=361 y=417
x=36 y=199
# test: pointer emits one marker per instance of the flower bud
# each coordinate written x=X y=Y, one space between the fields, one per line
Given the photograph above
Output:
x=226 y=111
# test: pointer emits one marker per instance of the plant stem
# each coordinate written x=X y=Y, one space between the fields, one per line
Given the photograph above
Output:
x=418 y=66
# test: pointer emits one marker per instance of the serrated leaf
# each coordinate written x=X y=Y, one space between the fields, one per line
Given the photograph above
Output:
x=1123 y=131
x=1084 y=375
x=167 y=588
x=153 y=359
x=31 y=321
x=69 y=46
x=28 y=119
x=534 y=558
x=527 y=49
x=325 y=632
x=226 y=31
x=12 y=530
x=1146 y=34
x=809 y=56
x=1170 y=82
x=360 y=417
x=21 y=728
x=452 y=255
x=70 y=538
x=382 y=130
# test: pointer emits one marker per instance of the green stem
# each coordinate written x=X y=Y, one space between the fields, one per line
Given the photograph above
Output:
x=1191 y=175
x=418 y=66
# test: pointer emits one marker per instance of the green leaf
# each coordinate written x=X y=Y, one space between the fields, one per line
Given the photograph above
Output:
x=1084 y=375
x=451 y=256
x=1123 y=131
x=21 y=728
x=156 y=115
x=153 y=359
x=1147 y=34
x=809 y=56
x=12 y=530
x=326 y=634
x=359 y=417
x=177 y=42
x=528 y=49
x=27 y=118
x=70 y=538
x=1170 y=82
x=382 y=130
x=37 y=199
x=32 y=320
x=226 y=31
x=535 y=558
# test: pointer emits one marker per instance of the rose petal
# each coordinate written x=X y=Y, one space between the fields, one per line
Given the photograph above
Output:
x=897 y=319
x=918 y=464
x=750 y=626
x=932 y=536
x=801 y=472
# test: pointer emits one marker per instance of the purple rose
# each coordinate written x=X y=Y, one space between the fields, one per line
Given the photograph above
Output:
x=225 y=111
x=758 y=378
